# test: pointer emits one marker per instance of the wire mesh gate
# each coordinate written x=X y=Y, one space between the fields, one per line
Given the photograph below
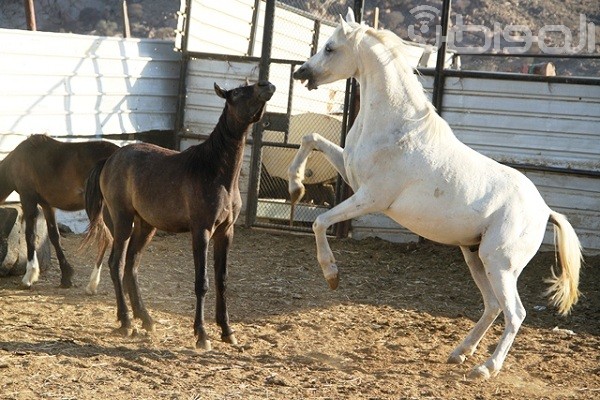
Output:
x=286 y=122
x=233 y=40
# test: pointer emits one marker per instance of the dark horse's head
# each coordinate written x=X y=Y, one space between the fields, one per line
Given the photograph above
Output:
x=246 y=104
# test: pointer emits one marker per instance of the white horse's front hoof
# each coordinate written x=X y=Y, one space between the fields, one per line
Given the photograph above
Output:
x=456 y=358
x=480 y=373
x=91 y=290
x=296 y=190
x=331 y=275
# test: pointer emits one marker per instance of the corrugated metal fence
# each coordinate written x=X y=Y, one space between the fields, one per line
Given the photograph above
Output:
x=548 y=130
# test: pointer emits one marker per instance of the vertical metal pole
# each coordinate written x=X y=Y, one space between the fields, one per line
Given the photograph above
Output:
x=343 y=228
x=439 y=78
x=183 y=68
x=253 y=28
x=30 y=15
x=126 y=28
x=263 y=74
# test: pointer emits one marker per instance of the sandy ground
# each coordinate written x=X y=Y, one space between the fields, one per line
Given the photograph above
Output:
x=384 y=334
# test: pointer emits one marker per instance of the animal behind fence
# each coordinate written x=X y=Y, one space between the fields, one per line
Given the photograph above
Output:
x=146 y=187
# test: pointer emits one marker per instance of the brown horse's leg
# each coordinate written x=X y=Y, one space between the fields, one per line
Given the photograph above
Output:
x=30 y=213
x=222 y=241
x=66 y=280
x=200 y=239
x=142 y=235
x=122 y=232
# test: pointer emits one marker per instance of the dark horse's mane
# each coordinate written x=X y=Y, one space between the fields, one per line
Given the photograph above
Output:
x=217 y=153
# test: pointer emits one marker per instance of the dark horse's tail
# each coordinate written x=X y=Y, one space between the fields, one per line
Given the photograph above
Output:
x=7 y=185
x=94 y=205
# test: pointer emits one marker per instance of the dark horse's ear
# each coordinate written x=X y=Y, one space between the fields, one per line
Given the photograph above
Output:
x=220 y=92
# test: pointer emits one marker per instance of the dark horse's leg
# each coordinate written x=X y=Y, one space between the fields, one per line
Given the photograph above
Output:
x=30 y=213
x=200 y=239
x=222 y=241
x=122 y=232
x=142 y=234
x=65 y=268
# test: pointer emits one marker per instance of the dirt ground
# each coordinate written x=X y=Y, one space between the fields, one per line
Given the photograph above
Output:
x=384 y=334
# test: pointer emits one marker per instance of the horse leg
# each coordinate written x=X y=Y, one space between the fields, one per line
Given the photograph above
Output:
x=103 y=244
x=30 y=213
x=332 y=152
x=92 y=287
x=222 y=242
x=360 y=203
x=490 y=313
x=504 y=284
x=116 y=263
x=142 y=234
x=200 y=239
x=66 y=270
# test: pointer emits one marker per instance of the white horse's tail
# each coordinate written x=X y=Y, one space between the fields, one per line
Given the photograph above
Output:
x=563 y=291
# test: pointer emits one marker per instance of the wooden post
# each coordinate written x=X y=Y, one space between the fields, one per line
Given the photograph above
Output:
x=30 y=14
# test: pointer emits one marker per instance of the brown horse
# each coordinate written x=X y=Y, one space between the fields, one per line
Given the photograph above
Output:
x=52 y=174
x=146 y=187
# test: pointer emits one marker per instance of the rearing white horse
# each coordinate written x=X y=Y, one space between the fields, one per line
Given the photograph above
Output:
x=402 y=159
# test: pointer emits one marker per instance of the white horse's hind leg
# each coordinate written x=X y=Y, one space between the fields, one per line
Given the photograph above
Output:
x=504 y=284
x=32 y=272
x=332 y=152
x=490 y=313
x=362 y=202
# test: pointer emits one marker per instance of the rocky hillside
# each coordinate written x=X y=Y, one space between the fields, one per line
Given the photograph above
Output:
x=158 y=19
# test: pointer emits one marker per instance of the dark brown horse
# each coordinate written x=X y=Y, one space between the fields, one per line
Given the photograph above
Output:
x=52 y=174
x=146 y=187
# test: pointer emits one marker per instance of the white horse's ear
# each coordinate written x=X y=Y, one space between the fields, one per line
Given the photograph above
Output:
x=350 y=15
x=220 y=92
x=345 y=27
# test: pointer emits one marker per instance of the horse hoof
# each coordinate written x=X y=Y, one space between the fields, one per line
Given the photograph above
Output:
x=333 y=282
x=123 y=331
x=66 y=285
x=203 y=344
x=456 y=359
x=90 y=291
x=230 y=339
x=25 y=286
x=149 y=327
x=296 y=194
x=480 y=373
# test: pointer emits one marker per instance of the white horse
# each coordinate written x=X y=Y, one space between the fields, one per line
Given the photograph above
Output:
x=403 y=160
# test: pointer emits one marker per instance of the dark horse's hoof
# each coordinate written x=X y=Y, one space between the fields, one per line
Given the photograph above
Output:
x=122 y=331
x=66 y=284
x=229 y=339
x=149 y=326
x=203 y=344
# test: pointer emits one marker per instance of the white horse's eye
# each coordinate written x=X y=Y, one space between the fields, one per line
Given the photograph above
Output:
x=328 y=49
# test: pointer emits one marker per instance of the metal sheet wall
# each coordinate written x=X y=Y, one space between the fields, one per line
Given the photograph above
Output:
x=75 y=85
x=65 y=84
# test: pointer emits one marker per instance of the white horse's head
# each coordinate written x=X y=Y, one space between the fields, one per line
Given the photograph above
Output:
x=336 y=60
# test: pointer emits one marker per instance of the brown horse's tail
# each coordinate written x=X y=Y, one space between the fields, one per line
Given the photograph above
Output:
x=563 y=289
x=94 y=206
x=7 y=185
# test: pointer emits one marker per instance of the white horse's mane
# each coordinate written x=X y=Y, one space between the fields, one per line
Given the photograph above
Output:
x=399 y=53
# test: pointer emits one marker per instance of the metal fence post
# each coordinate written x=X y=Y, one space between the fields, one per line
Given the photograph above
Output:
x=439 y=78
x=263 y=74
